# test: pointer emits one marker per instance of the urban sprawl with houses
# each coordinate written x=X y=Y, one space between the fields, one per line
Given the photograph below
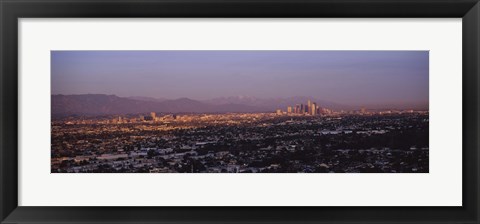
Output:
x=302 y=138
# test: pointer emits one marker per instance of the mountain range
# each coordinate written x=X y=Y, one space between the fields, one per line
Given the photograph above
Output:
x=102 y=104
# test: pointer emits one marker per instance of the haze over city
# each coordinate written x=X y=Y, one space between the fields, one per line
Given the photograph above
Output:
x=373 y=79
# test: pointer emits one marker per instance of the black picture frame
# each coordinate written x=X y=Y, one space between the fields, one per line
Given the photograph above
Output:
x=12 y=10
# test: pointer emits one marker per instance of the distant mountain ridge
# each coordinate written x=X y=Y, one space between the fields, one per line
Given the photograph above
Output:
x=101 y=104
x=144 y=98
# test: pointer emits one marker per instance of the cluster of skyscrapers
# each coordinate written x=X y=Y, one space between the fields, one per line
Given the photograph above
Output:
x=308 y=109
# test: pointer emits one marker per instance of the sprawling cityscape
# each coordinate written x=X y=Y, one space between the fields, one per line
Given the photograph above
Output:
x=239 y=111
x=302 y=138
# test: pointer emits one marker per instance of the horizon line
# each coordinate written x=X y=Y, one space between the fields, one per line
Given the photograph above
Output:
x=389 y=105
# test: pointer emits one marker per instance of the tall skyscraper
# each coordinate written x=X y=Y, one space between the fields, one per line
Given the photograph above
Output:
x=153 y=115
x=289 y=110
x=309 y=103
x=313 y=110
x=363 y=110
x=302 y=109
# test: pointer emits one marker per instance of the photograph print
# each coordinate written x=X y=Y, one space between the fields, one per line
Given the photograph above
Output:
x=239 y=111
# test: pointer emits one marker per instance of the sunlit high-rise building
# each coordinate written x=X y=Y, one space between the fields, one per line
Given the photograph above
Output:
x=289 y=110
x=153 y=115
x=313 y=110
x=363 y=110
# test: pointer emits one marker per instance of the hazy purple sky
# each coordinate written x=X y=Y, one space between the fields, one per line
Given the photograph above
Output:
x=346 y=77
